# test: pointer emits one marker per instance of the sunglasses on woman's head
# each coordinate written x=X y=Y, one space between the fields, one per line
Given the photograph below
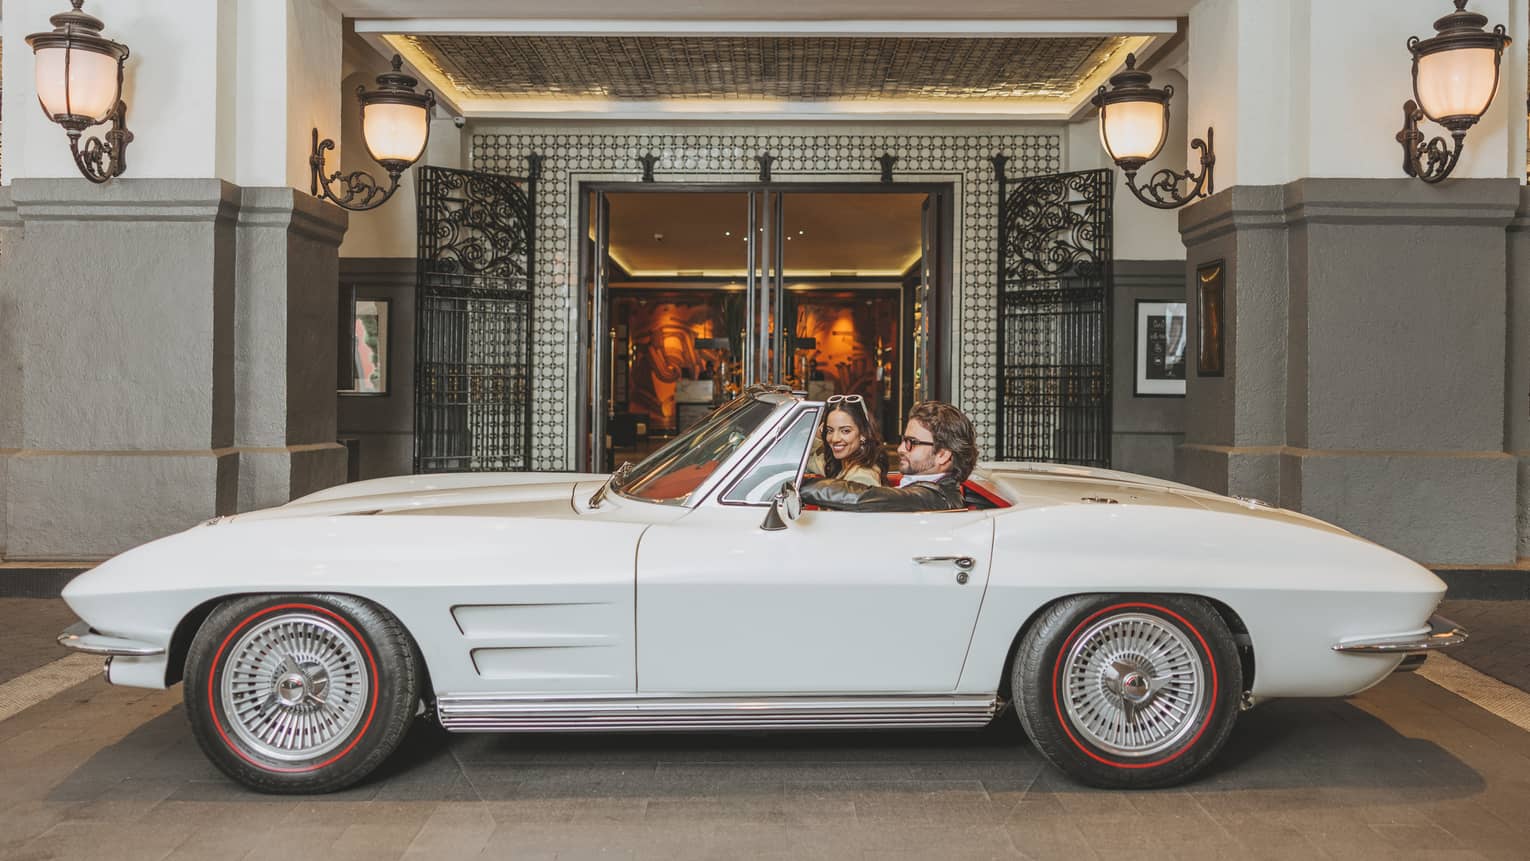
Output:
x=833 y=400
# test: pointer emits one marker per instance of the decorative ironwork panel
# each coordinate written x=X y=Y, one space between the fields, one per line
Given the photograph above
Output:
x=473 y=332
x=1054 y=317
x=575 y=153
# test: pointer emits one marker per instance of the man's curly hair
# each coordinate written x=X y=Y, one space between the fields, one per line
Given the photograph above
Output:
x=952 y=431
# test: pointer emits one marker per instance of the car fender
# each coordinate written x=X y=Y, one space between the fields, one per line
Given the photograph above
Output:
x=1298 y=585
x=421 y=568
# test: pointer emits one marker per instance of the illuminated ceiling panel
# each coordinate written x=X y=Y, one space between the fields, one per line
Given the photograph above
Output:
x=666 y=67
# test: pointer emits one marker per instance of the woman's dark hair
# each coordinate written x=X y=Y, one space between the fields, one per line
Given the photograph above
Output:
x=952 y=431
x=871 y=453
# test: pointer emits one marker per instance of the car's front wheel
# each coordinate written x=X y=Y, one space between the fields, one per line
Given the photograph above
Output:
x=1128 y=691
x=300 y=693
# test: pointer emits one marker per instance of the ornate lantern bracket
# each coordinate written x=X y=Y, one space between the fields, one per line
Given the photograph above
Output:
x=359 y=190
x=1449 y=93
x=1162 y=188
x=76 y=39
x=1134 y=123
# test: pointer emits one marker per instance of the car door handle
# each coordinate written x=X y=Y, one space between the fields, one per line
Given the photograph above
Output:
x=962 y=562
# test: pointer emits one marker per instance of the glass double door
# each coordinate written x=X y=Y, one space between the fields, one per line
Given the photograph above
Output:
x=693 y=294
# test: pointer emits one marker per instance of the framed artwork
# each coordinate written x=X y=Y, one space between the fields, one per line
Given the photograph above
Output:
x=1210 y=292
x=1160 y=348
x=369 y=348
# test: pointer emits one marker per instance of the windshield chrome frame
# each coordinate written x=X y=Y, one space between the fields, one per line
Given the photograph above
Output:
x=774 y=436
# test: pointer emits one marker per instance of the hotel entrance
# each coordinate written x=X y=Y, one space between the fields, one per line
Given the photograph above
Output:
x=693 y=293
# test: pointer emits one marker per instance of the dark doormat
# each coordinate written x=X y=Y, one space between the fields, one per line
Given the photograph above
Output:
x=36 y=582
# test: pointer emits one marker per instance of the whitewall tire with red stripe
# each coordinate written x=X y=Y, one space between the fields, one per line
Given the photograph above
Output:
x=300 y=693
x=1128 y=691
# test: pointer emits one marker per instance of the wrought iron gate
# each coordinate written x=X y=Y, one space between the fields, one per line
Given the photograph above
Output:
x=1055 y=281
x=472 y=372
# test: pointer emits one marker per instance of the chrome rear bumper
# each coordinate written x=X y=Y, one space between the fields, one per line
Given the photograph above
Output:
x=1441 y=633
x=81 y=638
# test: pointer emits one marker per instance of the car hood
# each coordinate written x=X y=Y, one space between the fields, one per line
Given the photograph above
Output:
x=500 y=494
x=1036 y=485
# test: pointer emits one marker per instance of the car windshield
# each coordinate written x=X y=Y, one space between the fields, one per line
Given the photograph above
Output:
x=671 y=474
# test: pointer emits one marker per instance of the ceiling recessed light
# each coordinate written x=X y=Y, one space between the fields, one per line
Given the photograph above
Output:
x=727 y=233
x=800 y=232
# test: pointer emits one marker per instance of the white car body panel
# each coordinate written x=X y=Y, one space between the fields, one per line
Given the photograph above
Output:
x=835 y=604
x=514 y=585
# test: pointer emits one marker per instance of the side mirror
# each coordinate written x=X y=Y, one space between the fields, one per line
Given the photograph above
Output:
x=784 y=508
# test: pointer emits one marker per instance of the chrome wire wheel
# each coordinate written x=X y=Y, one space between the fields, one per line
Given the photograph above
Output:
x=295 y=687
x=1133 y=685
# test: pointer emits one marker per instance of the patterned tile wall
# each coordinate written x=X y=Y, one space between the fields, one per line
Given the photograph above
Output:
x=574 y=155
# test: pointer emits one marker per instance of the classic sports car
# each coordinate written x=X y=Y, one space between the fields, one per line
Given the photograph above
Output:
x=1127 y=620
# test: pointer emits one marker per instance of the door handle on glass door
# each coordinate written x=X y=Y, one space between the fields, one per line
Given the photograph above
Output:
x=962 y=562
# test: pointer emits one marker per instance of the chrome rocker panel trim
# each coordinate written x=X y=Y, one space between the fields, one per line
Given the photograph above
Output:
x=81 y=638
x=492 y=713
x=1441 y=633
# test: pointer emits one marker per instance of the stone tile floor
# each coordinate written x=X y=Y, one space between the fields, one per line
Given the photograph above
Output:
x=1406 y=770
x=1500 y=639
x=29 y=630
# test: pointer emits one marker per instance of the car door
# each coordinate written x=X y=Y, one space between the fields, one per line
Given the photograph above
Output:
x=838 y=602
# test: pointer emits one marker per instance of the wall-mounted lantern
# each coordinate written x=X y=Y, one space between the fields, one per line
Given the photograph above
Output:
x=79 y=84
x=395 y=124
x=1455 y=75
x=1134 y=122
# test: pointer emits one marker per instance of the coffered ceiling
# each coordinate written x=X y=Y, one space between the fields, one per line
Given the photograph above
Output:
x=742 y=69
x=800 y=69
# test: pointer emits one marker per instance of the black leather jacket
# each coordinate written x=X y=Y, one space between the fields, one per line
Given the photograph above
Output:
x=943 y=495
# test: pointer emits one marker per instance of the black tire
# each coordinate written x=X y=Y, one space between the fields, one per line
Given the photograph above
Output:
x=1089 y=654
x=351 y=722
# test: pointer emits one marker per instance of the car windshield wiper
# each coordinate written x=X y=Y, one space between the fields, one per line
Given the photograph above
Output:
x=618 y=477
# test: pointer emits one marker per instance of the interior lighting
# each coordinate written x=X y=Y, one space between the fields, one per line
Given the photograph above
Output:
x=1455 y=76
x=395 y=125
x=79 y=85
x=1134 y=122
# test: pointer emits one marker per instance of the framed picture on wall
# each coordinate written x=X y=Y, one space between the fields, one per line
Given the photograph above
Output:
x=1160 y=348
x=369 y=348
x=1210 y=293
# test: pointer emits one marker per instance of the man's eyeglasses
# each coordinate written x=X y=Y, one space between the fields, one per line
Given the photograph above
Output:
x=914 y=442
x=849 y=399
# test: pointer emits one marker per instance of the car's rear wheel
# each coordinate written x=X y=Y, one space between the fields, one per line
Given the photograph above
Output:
x=1131 y=691
x=300 y=693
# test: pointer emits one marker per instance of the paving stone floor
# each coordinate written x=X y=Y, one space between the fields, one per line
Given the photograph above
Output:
x=1406 y=770
x=29 y=630
x=1500 y=639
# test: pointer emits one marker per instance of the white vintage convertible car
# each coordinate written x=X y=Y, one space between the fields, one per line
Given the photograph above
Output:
x=1126 y=620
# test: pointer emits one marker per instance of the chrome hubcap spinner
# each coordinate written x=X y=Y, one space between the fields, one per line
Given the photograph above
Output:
x=1132 y=685
x=295 y=687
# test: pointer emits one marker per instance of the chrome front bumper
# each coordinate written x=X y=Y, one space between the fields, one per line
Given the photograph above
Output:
x=81 y=638
x=1441 y=633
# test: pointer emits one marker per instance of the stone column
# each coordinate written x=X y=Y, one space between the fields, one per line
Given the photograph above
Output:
x=173 y=347
x=1517 y=392
x=1366 y=360
x=284 y=344
x=123 y=339
x=167 y=339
